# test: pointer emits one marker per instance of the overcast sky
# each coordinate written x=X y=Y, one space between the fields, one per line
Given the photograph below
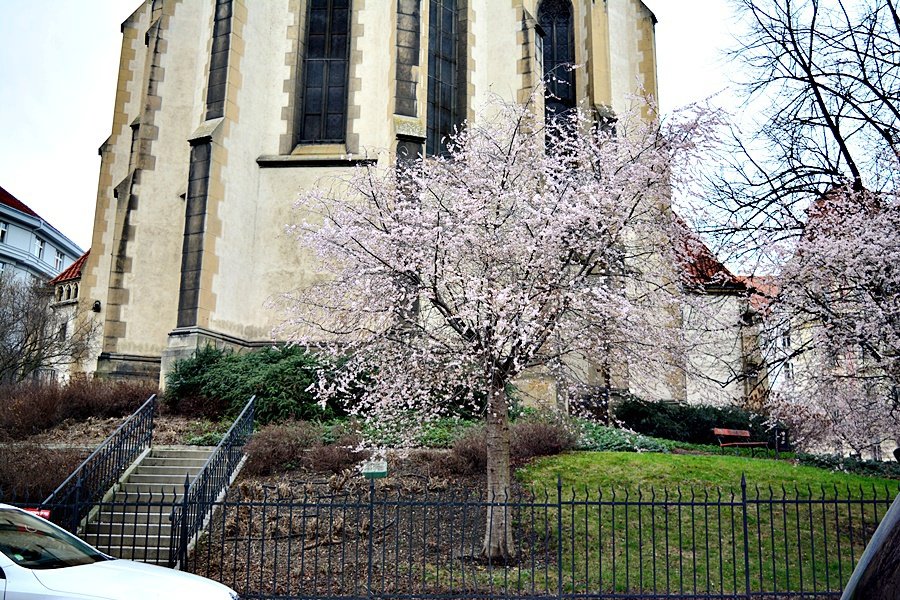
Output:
x=58 y=66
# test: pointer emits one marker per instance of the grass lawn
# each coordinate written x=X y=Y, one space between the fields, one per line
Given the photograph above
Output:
x=607 y=470
x=806 y=527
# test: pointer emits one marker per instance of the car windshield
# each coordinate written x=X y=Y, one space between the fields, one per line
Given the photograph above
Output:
x=33 y=543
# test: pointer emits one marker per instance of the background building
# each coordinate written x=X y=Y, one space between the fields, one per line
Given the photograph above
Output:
x=28 y=244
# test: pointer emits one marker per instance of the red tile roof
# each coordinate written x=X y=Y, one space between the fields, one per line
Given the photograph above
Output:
x=763 y=290
x=701 y=267
x=73 y=271
x=13 y=202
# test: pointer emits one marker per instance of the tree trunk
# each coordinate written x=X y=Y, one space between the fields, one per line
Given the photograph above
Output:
x=498 y=532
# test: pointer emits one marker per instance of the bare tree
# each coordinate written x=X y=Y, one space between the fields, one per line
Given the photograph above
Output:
x=810 y=198
x=34 y=338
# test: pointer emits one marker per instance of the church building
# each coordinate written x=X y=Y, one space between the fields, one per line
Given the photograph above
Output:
x=226 y=109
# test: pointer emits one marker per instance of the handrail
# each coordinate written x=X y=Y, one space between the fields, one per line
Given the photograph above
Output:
x=99 y=471
x=188 y=517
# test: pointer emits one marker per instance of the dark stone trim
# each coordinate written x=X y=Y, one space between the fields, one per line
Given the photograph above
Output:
x=112 y=365
x=194 y=229
x=408 y=137
x=409 y=24
x=296 y=162
x=410 y=147
x=218 y=61
x=221 y=337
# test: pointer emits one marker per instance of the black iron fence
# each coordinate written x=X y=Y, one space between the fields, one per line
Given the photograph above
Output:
x=288 y=542
x=343 y=540
x=96 y=475
x=188 y=517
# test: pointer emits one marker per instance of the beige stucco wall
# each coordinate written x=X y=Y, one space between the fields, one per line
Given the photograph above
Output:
x=715 y=354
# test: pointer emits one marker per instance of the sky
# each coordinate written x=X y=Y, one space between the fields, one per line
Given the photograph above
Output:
x=59 y=60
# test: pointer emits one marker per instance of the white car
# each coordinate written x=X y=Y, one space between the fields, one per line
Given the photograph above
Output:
x=40 y=561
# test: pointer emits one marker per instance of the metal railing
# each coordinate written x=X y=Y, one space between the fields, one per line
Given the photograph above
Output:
x=704 y=543
x=211 y=482
x=102 y=469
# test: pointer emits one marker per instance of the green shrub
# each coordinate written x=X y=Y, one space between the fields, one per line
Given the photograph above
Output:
x=688 y=423
x=609 y=439
x=281 y=379
x=851 y=464
x=210 y=438
x=443 y=432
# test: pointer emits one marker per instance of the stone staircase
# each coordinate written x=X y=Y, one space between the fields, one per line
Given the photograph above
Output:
x=133 y=522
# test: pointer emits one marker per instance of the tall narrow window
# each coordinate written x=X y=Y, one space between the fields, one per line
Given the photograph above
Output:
x=323 y=108
x=444 y=111
x=39 y=248
x=3 y=228
x=555 y=17
x=58 y=263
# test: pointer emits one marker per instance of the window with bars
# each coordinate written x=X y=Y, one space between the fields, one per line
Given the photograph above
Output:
x=325 y=69
x=444 y=110
x=555 y=17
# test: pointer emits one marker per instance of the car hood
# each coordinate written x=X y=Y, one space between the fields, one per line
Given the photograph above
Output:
x=126 y=580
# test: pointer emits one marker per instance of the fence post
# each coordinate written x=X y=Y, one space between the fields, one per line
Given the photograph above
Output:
x=183 y=529
x=559 y=539
x=152 y=414
x=75 y=509
x=369 y=557
x=746 y=535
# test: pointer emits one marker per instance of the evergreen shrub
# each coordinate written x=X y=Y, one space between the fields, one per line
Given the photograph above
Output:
x=222 y=381
x=602 y=438
x=688 y=423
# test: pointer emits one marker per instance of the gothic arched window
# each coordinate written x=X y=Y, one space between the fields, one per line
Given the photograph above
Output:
x=555 y=17
x=323 y=108
x=444 y=111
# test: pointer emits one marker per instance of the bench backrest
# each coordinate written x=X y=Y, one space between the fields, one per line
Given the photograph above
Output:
x=741 y=433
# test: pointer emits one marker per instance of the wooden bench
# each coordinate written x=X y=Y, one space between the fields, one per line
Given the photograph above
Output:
x=736 y=438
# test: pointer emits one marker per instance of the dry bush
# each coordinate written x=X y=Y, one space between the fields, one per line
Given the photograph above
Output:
x=83 y=398
x=467 y=456
x=528 y=438
x=29 y=408
x=30 y=472
x=343 y=454
x=533 y=438
x=277 y=448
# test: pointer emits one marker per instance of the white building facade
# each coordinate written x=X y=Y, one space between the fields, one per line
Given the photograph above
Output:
x=30 y=246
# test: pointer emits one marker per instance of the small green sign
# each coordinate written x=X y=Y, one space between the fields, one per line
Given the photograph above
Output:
x=374 y=469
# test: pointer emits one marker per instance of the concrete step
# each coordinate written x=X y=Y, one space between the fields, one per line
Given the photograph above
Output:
x=188 y=452
x=159 y=461
x=152 y=530
x=130 y=518
x=140 y=530
x=167 y=469
x=144 y=496
x=127 y=541
x=153 y=555
x=137 y=478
